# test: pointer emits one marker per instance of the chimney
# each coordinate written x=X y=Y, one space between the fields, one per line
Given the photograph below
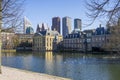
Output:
x=100 y=25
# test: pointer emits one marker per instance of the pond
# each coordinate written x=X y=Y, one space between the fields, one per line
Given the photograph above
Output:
x=76 y=66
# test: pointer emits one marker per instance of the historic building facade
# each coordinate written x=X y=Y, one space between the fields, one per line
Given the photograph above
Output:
x=25 y=37
x=100 y=38
x=78 y=40
x=46 y=40
x=7 y=40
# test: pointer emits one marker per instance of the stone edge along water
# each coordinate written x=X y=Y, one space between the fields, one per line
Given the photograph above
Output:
x=9 y=73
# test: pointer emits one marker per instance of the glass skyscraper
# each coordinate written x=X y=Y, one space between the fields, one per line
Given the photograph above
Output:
x=66 y=26
x=56 y=24
x=77 y=24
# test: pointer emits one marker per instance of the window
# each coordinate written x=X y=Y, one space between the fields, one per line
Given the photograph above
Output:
x=103 y=39
x=48 y=33
x=88 y=40
x=96 y=39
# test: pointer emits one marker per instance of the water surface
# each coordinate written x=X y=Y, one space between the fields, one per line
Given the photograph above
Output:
x=76 y=66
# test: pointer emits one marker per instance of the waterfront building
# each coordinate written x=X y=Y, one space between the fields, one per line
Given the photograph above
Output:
x=25 y=37
x=74 y=41
x=66 y=26
x=77 y=24
x=78 y=40
x=24 y=42
x=7 y=40
x=100 y=38
x=27 y=26
x=88 y=39
x=46 y=40
x=56 y=24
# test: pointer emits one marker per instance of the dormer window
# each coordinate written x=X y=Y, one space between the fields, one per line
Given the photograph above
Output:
x=48 y=33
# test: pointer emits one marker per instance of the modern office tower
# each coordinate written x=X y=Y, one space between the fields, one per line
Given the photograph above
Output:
x=56 y=24
x=27 y=26
x=66 y=26
x=77 y=24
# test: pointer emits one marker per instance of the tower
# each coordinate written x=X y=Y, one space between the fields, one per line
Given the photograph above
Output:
x=26 y=24
x=56 y=24
x=38 y=29
x=66 y=26
x=77 y=24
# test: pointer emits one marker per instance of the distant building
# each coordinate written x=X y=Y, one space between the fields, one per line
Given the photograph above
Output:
x=66 y=26
x=88 y=39
x=78 y=40
x=41 y=27
x=100 y=38
x=25 y=38
x=25 y=42
x=56 y=24
x=77 y=24
x=29 y=30
x=28 y=27
x=74 y=41
x=38 y=29
x=7 y=40
x=46 y=40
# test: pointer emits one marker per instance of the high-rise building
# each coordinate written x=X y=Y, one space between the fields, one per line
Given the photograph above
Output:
x=77 y=24
x=27 y=26
x=56 y=24
x=66 y=26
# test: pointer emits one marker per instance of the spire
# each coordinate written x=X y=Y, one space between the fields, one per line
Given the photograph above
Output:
x=38 y=29
x=43 y=27
x=100 y=25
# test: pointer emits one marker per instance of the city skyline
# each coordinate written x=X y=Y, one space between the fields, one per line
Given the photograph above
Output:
x=44 y=11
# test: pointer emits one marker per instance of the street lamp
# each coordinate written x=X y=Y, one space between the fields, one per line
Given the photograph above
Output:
x=85 y=42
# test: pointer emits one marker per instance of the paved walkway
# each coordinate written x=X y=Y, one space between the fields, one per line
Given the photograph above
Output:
x=16 y=74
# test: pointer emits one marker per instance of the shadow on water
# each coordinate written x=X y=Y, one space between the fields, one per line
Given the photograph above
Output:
x=77 y=66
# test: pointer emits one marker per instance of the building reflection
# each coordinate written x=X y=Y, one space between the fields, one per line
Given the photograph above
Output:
x=74 y=66
x=49 y=62
x=8 y=54
x=53 y=63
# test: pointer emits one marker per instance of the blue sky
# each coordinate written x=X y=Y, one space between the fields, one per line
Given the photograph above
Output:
x=38 y=11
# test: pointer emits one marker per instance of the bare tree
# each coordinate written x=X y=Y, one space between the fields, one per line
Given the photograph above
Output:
x=10 y=16
x=105 y=9
x=113 y=44
x=109 y=11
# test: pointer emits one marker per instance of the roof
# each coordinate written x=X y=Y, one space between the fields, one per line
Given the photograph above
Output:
x=47 y=32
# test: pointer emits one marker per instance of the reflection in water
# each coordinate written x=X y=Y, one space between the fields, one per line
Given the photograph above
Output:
x=71 y=65
x=49 y=62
